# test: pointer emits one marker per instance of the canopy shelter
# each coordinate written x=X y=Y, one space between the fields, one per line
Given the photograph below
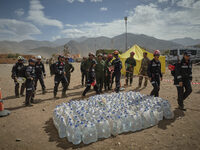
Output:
x=138 y=57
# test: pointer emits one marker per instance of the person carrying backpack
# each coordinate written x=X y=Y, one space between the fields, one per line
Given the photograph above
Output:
x=17 y=72
x=182 y=79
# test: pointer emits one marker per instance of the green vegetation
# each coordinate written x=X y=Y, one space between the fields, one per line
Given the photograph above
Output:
x=106 y=51
x=13 y=55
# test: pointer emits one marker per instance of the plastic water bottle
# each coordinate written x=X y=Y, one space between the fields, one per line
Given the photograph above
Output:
x=89 y=134
x=76 y=137
x=62 y=128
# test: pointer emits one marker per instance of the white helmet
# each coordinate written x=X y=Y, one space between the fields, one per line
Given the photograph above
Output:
x=39 y=57
x=20 y=58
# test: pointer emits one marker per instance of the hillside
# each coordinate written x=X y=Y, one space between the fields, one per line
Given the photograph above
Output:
x=186 y=41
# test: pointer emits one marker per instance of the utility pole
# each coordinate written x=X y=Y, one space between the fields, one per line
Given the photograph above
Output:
x=125 y=19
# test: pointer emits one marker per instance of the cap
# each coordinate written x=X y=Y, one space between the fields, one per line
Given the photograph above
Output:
x=187 y=53
x=110 y=56
x=100 y=54
x=91 y=54
x=156 y=53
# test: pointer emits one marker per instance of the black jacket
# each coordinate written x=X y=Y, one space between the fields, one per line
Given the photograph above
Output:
x=91 y=75
x=39 y=68
x=117 y=65
x=154 y=69
x=59 y=68
x=17 y=70
x=30 y=72
x=183 y=71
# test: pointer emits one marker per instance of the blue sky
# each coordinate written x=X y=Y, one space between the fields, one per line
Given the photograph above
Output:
x=54 y=19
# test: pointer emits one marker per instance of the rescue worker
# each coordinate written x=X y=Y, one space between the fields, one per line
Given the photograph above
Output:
x=99 y=70
x=17 y=71
x=88 y=63
x=91 y=79
x=105 y=57
x=83 y=71
x=154 y=73
x=117 y=64
x=108 y=65
x=183 y=78
x=143 y=70
x=130 y=63
x=60 y=76
x=30 y=82
x=69 y=68
x=40 y=74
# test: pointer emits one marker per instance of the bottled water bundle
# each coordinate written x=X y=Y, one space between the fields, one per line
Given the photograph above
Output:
x=109 y=114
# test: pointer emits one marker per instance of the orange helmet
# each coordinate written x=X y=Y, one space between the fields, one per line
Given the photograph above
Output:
x=132 y=53
x=156 y=53
x=116 y=52
x=110 y=56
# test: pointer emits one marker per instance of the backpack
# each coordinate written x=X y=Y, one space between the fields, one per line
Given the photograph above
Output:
x=52 y=68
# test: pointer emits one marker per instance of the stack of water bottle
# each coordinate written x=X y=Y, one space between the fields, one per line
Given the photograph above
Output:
x=109 y=114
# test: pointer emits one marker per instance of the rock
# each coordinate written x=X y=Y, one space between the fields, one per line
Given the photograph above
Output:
x=18 y=140
x=119 y=143
x=43 y=109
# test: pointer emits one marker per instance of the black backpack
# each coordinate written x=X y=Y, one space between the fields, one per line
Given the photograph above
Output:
x=52 y=68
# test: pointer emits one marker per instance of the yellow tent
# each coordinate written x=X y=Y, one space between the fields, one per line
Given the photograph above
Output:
x=138 y=57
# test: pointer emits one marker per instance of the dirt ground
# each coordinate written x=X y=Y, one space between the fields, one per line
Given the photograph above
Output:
x=32 y=127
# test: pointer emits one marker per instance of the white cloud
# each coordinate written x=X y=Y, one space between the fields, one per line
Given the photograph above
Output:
x=19 y=12
x=56 y=37
x=71 y=25
x=81 y=1
x=36 y=15
x=162 y=1
x=148 y=19
x=96 y=1
x=189 y=4
x=11 y=29
x=70 y=1
x=103 y=9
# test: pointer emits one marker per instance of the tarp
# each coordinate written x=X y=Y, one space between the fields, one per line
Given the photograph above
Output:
x=138 y=57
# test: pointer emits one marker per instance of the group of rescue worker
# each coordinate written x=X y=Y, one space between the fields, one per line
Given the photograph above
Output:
x=100 y=72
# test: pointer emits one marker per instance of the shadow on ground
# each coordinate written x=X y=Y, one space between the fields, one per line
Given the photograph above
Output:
x=164 y=123
x=50 y=129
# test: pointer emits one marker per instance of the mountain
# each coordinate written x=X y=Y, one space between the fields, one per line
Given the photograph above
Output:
x=186 y=41
x=85 y=45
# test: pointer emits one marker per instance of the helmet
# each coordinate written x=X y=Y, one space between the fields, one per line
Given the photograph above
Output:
x=20 y=58
x=132 y=53
x=31 y=60
x=116 y=52
x=39 y=57
x=91 y=54
x=110 y=56
x=100 y=54
x=104 y=55
x=156 y=53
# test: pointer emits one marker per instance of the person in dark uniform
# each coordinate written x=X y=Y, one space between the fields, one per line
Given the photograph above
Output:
x=108 y=65
x=117 y=64
x=83 y=71
x=88 y=63
x=17 y=71
x=60 y=76
x=40 y=74
x=69 y=68
x=154 y=73
x=30 y=82
x=183 y=78
x=91 y=79
x=130 y=63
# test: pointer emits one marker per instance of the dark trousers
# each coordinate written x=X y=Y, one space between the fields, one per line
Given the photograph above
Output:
x=68 y=76
x=184 y=92
x=156 y=86
x=84 y=76
x=17 y=86
x=88 y=88
x=40 y=78
x=117 y=76
x=107 y=82
x=30 y=90
x=100 y=81
x=129 y=76
x=57 y=80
